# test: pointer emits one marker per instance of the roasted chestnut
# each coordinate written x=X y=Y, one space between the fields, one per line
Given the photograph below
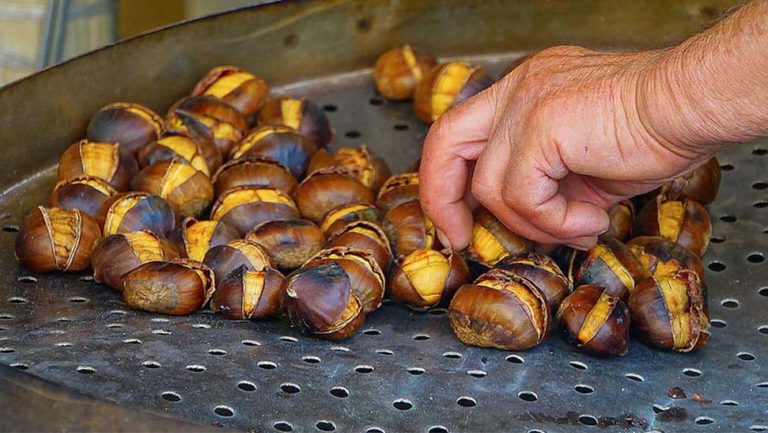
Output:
x=365 y=276
x=408 y=228
x=235 y=86
x=299 y=114
x=102 y=160
x=134 y=211
x=188 y=190
x=622 y=218
x=245 y=294
x=446 y=86
x=595 y=321
x=500 y=310
x=121 y=253
x=700 y=185
x=199 y=153
x=85 y=193
x=399 y=188
x=130 y=125
x=289 y=243
x=492 y=241
x=254 y=171
x=328 y=189
x=365 y=236
x=245 y=207
x=659 y=256
x=669 y=312
x=175 y=287
x=319 y=301
x=205 y=116
x=543 y=272
x=399 y=71
x=683 y=221
x=366 y=167
x=609 y=264
x=194 y=238
x=54 y=239
x=427 y=278
x=336 y=219
x=223 y=259
x=280 y=143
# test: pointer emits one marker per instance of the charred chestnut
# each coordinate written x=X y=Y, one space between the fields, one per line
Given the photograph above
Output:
x=609 y=264
x=299 y=114
x=399 y=71
x=328 y=189
x=700 y=185
x=254 y=171
x=188 y=190
x=121 y=253
x=427 y=278
x=399 y=188
x=245 y=294
x=290 y=243
x=446 y=86
x=130 y=125
x=543 y=272
x=659 y=256
x=239 y=88
x=175 y=287
x=365 y=277
x=194 y=238
x=245 y=207
x=280 y=143
x=683 y=221
x=200 y=154
x=622 y=218
x=85 y=193
x=336 y=219
x=408 y=228
x=102 y=160
x=134 y=211
x=223 y=259
x=595 y=321
x=365 y=236
x=492 y=241
x=366 y=167
x=208 y=117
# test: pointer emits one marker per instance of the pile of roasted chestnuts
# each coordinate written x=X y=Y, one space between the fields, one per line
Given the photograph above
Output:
x=233 y=200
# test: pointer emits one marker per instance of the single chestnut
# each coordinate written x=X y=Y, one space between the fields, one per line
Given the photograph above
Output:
x=194 y=238
x=176 y=287
x=500 y=310
x=102 y=160
x=290 y=243
x=245 y=207
x=336 y=219
x=254 y=171
x=700 y=185
x=595 y=321
x=670 y=312
x=399 y=188
x=683 y=221
x=280 y=143
x=609 y=264
x=622 y=217
x=328 y=189
x=134 y=211
x=319 y=301
x=492 y=241
x=365 y=236
x=446 y=86
x=200 y=154
x=366 y=278
x=205 y=116
x=223 y=259
x=660 y=256
x=55 y=239
x=543 y=272
x=360 y=162
x=85 y=193
x=239 y=88
x=426 y=278
x=299 y=114
x=121 y=253
x=245 y=294
x=408 y=228
x=399 y=71
x=130 y=125
x=185 y=188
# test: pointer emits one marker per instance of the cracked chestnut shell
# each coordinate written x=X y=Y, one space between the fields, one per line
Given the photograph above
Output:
x=366 y=278
x=360 y=162
x=700 y=185
x=223 y=259
x=399 y=188
x=595 y=322
x=246 y=207
x=399 y=71
x=186 y=189
x=134 y=211
x=280 y=143
x=492 y=241
x=239 y=88
x=336 y=219
x=131 y=125
x=609 y=264
x=319 y=301
x=427 y=278
x=447 y=85
x=245 y=294
x=194 y=238
x=95 y=159
x=683 y=221
x=328 y=189
x=176 y=287
x=290 y=243
x=199 y=153
x=543 y=272
x=622 y=217
x=670 y=312
x=254 y=171
x=121 y=253
x=659 y=256
x=299 y=114
x=408 y=228
x=500 y=310
x=85 y=193
x=208 y=117
x=365 y=236
x=55 y=239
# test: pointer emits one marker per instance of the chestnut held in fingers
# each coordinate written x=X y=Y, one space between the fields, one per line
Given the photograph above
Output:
x=669 y=312
x=365 y=276
x=399 y=71
x=609 y=264
x=320 y=302
x=365 y=236
x=328 y=189
x=290 y=243
x=207 y=117
x=622 y=218
x=223 y=259
x=543 y=272
x=237 y=87
x=54 y=239
x=427 y=278
x=500 y=310
x=446 y=86
x=255 y=171
x=121 y=253
x=399 y=188
x=188 y=190
x=595 y=321
x=85 y=193
x=336 y=219
x=246 y=207
x=200 y=154
x=700 y=185
x=194 y=238
x=134 y=211
x=360 y=162
x=102 y=160
x=683 y=221
x=130 y=125
x=408 y=228
x=280 y=143
x=492 y=241
x=659 y=256
x=175 y=287
x=299 y=114
x=245 y=294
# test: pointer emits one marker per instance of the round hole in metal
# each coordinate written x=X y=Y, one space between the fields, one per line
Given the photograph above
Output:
x=64 y=344
x=728 y=218
x=515 y=359
x=340 y=349
x=10 y=228
x=195 y=368
x=201 y=326
x=224 y=411
x=330 y=108
x=28 y=279
x=756 y=258
x=385 y=352
x=536 y=431
x=376 y=101
x=746 y=356
x=759 y=186
x=657 y=408
x=325 y=425
x=78 y=300
x=717 y=323
x=584 y=389
x=730 y=303
x=290 y=388
x=160 y=320
x=374 y=430
x=372 y=331
x=477 y=373
x=6 y=316
x=760 y=204
x=87 y=279
x=364 y=369
x=578 y=365
x=704 y=420
x=763 y=329
x=246 y=386
x=64 y=319
x=114 y=325
x=438 y=312
x=438 y=429
x=716 y=266
x=729 y=403
x=415 y=371
x=634 y=377
x=763 y=291
x=289 y=339
x=117 y=312
x=85 y=369
x=151 y=364
x=132 y=341
x=452 y=355
x=759 y=151
x=401 y=127
x=727 y=167
x=20 y=366
x=339 y=392
x=250 y=343
x=717 y=239
x=587 y=420
x=352 y=134
x=762 y=385
x=217 y=352
x=527 y=396
x=692 y=372
x=311 y=359
x=171 y=396
x=757 y=427
x=421 y=337
x=282 y=426
x=402 y=404
x=466 y=401
x=17 y=300
x=267 y=365
x=161 y=332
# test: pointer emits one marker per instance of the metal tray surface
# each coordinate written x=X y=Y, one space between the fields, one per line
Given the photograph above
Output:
x=405 y=372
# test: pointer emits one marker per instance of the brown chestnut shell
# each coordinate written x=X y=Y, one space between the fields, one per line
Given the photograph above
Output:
x=259 y=172
x=360 y=162
x=130 y=125
x=660 y=256
x=280 y=143
x=223 y=259
x=299 y=114
x=543 y=272
x=200 y=154
x=609 y=264
x=700 y=185
x=176 y=287
x=246 y=207
x=88 y=194
x=447 y=85
x=188 y=190
x=622 y=217
x=134 y=211
x=205 y=116
x=595 y=321
x=328 y=189
x=684 y=221
x=96 y=159
x=290 y=243
x=427 y=278
x=194 y=238
x=239 y=88
x=336 y=219
x=399 y=188
x=121 y=253
x=365 y=236
x=399 y=71
x=492 y=241
x=245 y=294
x=408 y=228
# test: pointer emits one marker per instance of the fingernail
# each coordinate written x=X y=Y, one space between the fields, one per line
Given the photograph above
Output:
x=443 y=239
x=578 y=247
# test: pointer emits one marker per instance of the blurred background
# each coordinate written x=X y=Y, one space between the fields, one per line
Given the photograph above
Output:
x=39 y=33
